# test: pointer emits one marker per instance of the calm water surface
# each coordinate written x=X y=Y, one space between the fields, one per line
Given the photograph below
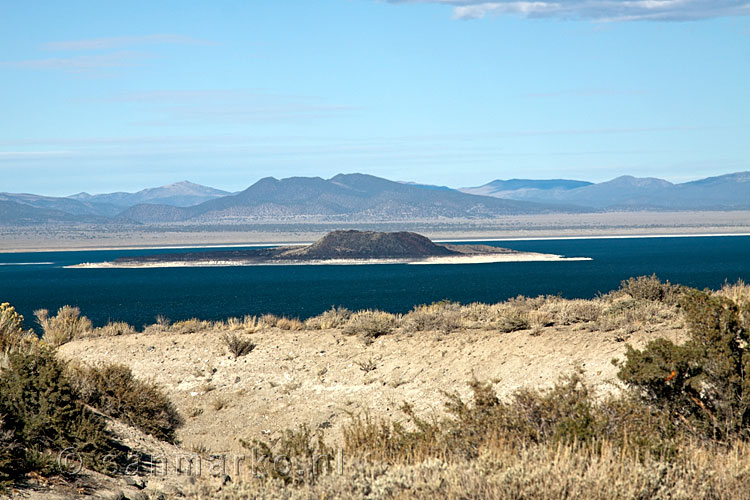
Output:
x=38 y=280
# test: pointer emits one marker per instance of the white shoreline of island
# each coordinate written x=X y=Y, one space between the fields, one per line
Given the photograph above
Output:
x=303 y=243
x=451 y=259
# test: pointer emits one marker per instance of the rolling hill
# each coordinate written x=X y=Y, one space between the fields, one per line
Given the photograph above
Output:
x=345 y=196
x=725 y=192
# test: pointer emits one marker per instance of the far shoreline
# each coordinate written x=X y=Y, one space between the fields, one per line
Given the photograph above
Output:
x=447 y=260
x=307 y=242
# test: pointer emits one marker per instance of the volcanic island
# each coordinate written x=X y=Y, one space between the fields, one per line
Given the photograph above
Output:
x=346 y=247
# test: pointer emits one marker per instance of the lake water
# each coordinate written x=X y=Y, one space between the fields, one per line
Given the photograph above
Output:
x=31 y=281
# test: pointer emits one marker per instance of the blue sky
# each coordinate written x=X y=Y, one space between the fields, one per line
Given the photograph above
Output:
x=105 y=96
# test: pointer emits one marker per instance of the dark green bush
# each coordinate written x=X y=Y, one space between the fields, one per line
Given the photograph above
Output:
x=8 y=455
x=42 y=416
x=113 y=390
x=704 y=384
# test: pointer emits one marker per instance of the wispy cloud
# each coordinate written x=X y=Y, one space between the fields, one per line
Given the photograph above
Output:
x=118 y=42
x=597 y=10
x=79 y=64
x=229 y=106
x=585 y=93
x=33 y=155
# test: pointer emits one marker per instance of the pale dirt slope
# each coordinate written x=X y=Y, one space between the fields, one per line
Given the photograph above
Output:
x=314 y=377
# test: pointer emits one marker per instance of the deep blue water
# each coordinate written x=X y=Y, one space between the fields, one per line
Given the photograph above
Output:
x=139 y=295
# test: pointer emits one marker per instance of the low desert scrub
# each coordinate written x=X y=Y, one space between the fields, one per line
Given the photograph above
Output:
x=292 y=324
x=540 y=472
x=236 y=345
x=371 y=324
x=335 y=317
x=444 y=316
x=511 y=319
x=113 y=390
x=650 y=288
x=113 y=329
x=268 y=320
x=302 y=454
x=567 y=414
x=575 y=311
x=192 y=325
x=64 y=327
x=536 y=444
x=12 y=334
x=739 y=293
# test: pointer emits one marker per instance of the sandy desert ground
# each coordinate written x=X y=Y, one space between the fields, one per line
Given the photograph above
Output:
x=614 y=224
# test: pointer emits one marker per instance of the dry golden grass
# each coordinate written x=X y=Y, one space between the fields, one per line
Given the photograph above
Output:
x=113 y=329
x=642 y=303
x=537 y=472
x=66 y=325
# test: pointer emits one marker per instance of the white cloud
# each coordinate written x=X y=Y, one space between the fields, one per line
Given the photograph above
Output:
x=597 y=10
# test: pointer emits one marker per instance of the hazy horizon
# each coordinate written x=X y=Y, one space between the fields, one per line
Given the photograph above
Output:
x=121 y=97
x=239 y=188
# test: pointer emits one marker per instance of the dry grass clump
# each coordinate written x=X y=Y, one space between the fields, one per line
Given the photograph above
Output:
x=513 y=319
x=248 y=324
x=537 y=472
x=739 y=294
x=192 y=325
x=537 y=444
x=64 y=327
x=268 y=320
x=444 y=316
x=335 y=317
x=371 y=324
x=567 y=414
x=236 y=345
x=293 y=324
x=12 y=334
x=113 y=329
x=114 y=390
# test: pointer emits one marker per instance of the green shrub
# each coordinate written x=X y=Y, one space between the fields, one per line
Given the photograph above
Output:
x=113 y=390
x=9 y=451
x=43 y=415
x=237 y=345
x=64 y=327
x=705 y=383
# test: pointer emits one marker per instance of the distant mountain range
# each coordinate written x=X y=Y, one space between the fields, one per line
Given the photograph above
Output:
x=180 y=194
x=365 y=197
x=349 y=196
x=725 y=192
